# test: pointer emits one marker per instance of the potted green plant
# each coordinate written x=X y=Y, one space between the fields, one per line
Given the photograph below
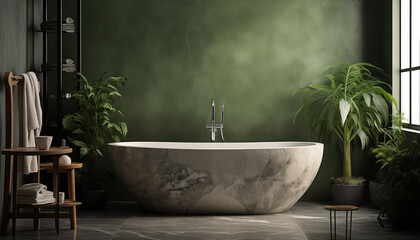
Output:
x=400 y=186
x=385 y=152
x=90 y=127
x=351 y=104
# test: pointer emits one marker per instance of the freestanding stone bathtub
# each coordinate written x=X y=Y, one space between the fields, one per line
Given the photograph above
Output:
x=216 y=178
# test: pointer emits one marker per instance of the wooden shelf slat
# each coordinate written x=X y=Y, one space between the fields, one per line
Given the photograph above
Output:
x=34 y=151
x=62 y=167
x=67 y=203
x=46 y=214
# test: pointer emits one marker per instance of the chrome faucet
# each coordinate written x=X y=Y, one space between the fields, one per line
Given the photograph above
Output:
x=213 y=126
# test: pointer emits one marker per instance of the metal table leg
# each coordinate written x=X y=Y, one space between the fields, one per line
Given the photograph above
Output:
x=347 y=213
x=330 y=224
x=351 y=219
x=335 y=225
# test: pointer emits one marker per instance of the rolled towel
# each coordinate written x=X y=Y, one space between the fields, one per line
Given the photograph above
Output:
x=31 y=189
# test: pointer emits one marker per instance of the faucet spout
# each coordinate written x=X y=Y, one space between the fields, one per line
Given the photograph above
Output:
x=213 y=121
x=213 y=126
x=213 y=110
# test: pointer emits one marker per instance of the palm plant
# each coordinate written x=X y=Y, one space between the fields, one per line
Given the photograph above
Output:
x=352 y=104
x=94 y=123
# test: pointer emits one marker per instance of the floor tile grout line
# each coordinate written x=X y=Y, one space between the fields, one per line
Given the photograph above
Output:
x=122 y=225
x=300 y=229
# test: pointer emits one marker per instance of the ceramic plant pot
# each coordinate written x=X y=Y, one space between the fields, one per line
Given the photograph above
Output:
x=347 y=194
x=375 y=193
x=94 y=199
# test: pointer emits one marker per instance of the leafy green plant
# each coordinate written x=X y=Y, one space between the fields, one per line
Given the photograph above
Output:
x=352 y=103
x=401 y=191
x=94 y=122
x=390 y=147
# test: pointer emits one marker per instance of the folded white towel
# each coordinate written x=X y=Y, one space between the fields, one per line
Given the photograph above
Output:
x=36 y=202
x=46 y=195
x=41 y=198
x=31 y=190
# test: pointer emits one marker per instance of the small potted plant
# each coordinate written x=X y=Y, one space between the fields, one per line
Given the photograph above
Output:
x=385 y=152
x=351 y=104
x=94 y=123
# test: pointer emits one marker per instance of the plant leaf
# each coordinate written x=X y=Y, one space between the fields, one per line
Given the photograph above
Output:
x=367 y=98
x=381 y=104
x=364 y=139
x=78 y=131
x=344 y=107
x=78 y=143
x=84 y=151
x=123 y=128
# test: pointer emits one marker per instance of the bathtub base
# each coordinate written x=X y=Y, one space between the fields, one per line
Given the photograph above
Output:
x=233 y=181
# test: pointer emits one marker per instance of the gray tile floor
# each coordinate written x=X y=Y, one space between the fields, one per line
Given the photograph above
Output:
x=305 y=220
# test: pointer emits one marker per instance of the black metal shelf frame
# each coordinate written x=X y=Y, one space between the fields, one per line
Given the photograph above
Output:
x=59 y=90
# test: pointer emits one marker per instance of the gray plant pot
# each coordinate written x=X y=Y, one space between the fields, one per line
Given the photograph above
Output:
x=347 y=194
x=375 y=194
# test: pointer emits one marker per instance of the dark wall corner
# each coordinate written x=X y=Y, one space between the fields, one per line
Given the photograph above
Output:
x=377 y=33
x=15 y=44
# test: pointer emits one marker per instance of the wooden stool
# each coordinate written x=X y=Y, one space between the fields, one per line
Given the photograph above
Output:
x=9 y=188
x=10 y=183
x=335 y=208
x=69 y=169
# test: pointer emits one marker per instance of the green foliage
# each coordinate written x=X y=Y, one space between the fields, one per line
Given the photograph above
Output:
x=400 y=168
x=351 y=103
x=402 y=180
x=389 y=148
x=95 y=121
x=348 y=180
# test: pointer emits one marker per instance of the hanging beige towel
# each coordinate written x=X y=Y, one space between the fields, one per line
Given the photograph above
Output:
x=30 y=120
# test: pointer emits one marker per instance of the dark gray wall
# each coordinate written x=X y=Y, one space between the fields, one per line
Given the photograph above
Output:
x=14 y=56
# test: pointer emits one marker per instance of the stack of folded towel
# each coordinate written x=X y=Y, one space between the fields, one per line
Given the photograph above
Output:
x=68 y=25
x=68 y=66
x=34 y=194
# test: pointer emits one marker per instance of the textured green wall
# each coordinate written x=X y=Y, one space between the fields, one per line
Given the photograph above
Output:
x=178 y=54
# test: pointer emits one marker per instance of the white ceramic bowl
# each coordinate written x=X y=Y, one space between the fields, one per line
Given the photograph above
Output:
x=43 y=142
